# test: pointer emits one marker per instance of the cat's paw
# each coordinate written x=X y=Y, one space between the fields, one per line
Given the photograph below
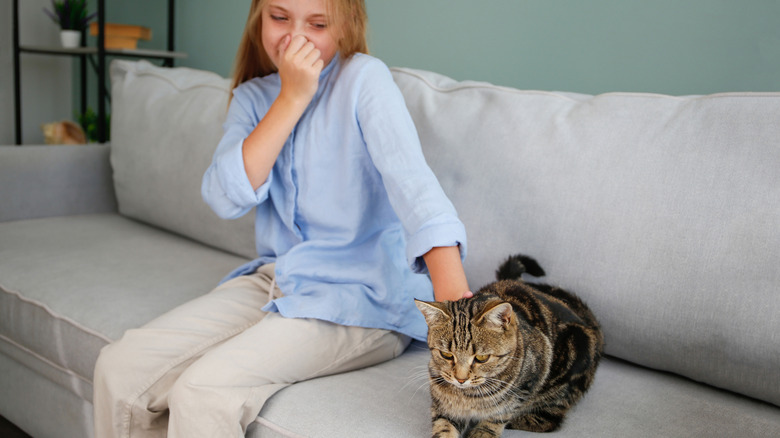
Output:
x=538 y=423
x=443 y=428
x=482 y=434
x=446 y=434
x=487 y=429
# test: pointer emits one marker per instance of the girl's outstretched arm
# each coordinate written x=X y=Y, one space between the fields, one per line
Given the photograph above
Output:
x=447 y=275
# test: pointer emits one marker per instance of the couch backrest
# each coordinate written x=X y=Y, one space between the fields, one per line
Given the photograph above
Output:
x=662 y=212
x=165 y=126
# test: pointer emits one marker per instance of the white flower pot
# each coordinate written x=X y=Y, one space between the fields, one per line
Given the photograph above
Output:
x=70 y=39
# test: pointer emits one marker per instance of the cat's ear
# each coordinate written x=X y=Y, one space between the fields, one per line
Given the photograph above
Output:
x=432 y=311
x=497 y=316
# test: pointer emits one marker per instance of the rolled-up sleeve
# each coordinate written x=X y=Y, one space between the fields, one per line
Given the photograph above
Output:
x=226 y=187
x=428 y=217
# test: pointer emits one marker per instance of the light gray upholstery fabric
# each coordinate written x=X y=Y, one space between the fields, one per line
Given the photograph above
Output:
x=663 y=212
x=165 y=126
x=625 y=401
x=40 y=407
x=40 y=181
x=69 y=285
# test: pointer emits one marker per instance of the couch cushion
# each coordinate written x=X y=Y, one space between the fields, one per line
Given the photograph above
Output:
x=165 y=126
x=662 y=212
x=41 y=181
x=392 y=400
x=69 y=285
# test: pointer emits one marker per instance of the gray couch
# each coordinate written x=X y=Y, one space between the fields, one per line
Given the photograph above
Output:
x=662 y=212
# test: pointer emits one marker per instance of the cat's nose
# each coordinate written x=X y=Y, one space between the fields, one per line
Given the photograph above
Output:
x=461 y=380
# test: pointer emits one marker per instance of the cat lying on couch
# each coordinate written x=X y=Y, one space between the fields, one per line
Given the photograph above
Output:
x=516 y=355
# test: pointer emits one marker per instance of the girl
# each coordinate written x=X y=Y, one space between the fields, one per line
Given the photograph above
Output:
x=319 y=142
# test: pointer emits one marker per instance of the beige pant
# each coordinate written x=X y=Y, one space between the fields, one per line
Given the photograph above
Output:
x=206 y=368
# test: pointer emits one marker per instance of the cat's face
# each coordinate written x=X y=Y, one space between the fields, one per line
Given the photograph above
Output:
x=471 y=340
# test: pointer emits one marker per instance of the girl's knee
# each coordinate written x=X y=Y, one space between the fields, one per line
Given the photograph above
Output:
x=121 y=369
x=110 y=362
x=116 y=381
x=193 y=384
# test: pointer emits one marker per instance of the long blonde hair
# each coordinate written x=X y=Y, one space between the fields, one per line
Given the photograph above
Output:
x=347 y=18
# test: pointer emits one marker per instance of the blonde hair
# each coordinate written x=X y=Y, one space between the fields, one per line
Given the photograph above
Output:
x=348 y=20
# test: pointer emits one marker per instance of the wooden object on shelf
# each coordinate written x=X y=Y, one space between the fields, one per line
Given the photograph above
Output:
x=64 y=132
x=122 y=36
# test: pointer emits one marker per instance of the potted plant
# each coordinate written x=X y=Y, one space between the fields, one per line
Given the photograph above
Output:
x=89 y=122
x=72 y=17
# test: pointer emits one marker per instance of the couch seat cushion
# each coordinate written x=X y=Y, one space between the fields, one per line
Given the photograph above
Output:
x=70 y=285
x=392 y=400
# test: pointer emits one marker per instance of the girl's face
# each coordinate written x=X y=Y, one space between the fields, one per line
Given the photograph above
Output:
x=297 y=17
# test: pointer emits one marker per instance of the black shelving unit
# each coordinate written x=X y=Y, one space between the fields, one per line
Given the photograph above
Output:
x=96 y=54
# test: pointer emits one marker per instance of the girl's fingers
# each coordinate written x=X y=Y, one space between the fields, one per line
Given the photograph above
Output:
x=296 y=45
x=300 y=66
x=312 y=56
x=283 y=45
x=319 y=64
x=302 y=52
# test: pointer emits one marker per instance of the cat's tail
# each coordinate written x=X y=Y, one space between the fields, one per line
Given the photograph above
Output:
x=517 y=265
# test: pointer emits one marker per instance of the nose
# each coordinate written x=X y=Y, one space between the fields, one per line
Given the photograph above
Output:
x=298 y=28
x=295 y=34
x=461 y=380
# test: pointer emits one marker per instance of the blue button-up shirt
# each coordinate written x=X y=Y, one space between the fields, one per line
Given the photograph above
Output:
x=350 y=206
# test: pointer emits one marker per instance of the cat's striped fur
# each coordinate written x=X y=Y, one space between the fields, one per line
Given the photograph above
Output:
x=516 y=355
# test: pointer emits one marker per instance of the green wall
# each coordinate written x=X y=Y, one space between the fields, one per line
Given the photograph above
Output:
x=593 y=46
x=661 y=46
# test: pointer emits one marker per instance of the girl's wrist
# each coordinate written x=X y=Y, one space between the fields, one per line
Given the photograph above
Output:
x=293 y=101
x=453 y=295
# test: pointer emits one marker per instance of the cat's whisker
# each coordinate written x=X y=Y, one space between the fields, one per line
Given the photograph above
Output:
x=414 y=381
x=419 y=370
x=419 y=385
x=507 y=388
x=414 y=394
x=420 y=375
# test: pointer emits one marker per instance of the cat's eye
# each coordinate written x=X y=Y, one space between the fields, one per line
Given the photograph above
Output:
x=446 y=355
x=481 y=358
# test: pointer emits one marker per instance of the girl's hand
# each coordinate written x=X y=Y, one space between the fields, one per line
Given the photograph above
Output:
x=299 y=69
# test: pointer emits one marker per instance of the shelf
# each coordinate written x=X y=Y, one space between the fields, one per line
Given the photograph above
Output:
x=141 y=53
x=95 y=56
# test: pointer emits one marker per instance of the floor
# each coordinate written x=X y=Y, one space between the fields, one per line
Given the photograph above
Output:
x=8 y=430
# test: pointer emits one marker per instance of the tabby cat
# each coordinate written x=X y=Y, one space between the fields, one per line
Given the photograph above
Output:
x=516 y=355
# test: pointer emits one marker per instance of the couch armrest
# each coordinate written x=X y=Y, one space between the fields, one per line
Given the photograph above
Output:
x=40 y=181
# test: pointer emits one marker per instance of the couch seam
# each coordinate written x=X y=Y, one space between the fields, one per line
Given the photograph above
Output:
x=145 y=71
x=460 y=85
x=44 y=359
x=276 y=428
x=56 y=315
